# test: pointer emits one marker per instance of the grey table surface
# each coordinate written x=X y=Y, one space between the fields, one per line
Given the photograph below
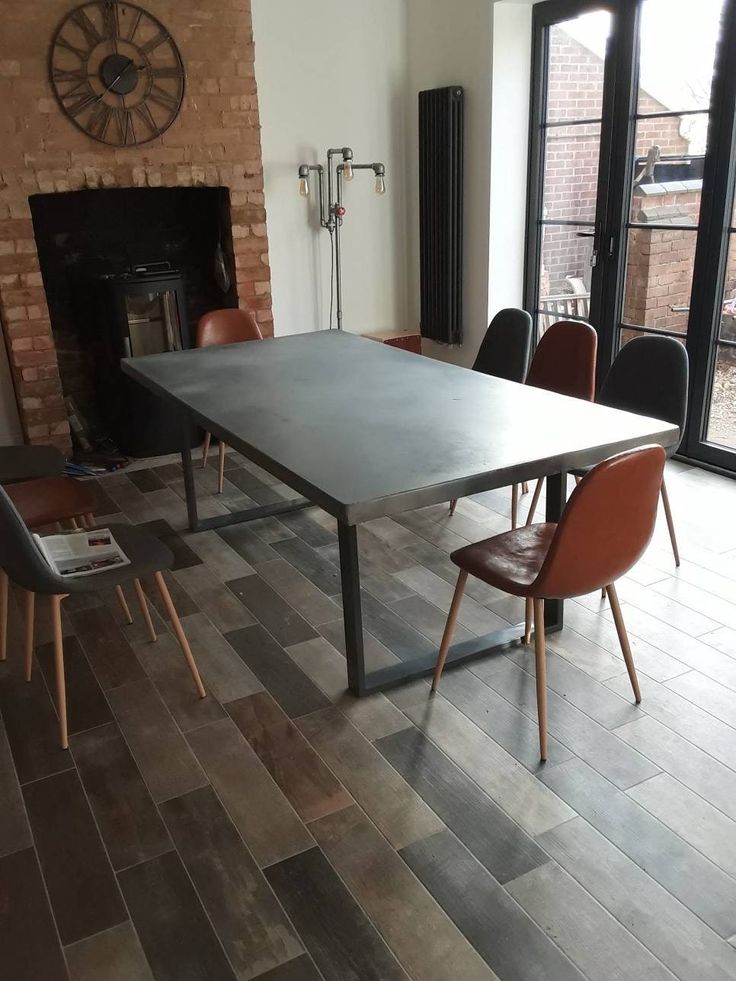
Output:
x=364 y=429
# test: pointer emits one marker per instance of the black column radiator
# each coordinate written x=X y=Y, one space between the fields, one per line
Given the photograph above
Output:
x=441 y=213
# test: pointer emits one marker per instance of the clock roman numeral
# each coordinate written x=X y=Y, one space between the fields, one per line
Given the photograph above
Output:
x=79 y=52
x=137 y=14
x=110 y=19
x=163 y=98
x=155 y=42
x=69 y=75
x=89 y=98
x=144 y=113
x=173 y=72
x=81 y=19
x=99 y=121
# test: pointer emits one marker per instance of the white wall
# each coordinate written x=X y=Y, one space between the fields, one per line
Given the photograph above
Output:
x=10 y=431
x=452 y=44
x=334 y=74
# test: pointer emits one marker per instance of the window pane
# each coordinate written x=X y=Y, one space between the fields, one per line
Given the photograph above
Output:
x=571 y=156
x=565 y=267
x=722 y=420
x=668 y=171
x=659 y=276
x=577 y=51
x=678 y=44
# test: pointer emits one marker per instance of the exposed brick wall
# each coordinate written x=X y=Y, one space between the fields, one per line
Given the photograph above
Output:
x=571 y=166
x=214 y=141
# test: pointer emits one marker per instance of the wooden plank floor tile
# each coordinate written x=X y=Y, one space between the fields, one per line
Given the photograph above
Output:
x=145 y=480
x=300 y=773
x=81 y=885
x=424 y=939
x=324 y=574
x=273 y=667
x=15 y=833
x=184 y=557
x=392 y=805
x=250 y=923
x=158 y=747
x=708 y=694
x=177 y=938
x=300 y=969
x=495 y=840
x=277 y=616
x=342 y=941
x=214 y=599
x=263 y=816
x=112 y=658
x=32 y=727
x=247 y=544
x=427 y=619
x=226 y=676
x=497 y=773
x=29 y=945
x=115 y=955
x=220 y=559
x=696 y=882
x=676 y=936
x=299 y=592
x=126 y=816
x=86 y=705
x=505 y=936
x=591 y=937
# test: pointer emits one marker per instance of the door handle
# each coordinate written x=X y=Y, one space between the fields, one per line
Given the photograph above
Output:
x=585 y=234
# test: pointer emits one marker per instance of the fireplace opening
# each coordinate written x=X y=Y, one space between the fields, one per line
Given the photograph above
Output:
x=129 y=271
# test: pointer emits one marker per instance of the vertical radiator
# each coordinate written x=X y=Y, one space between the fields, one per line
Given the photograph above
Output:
x=441 y=213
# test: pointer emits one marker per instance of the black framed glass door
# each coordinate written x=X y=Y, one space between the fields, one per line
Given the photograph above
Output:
x=664 y=231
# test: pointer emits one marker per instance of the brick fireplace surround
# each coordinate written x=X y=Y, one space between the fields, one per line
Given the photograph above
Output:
x=215 y=141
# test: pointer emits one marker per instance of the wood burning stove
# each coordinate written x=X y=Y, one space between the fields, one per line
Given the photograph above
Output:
x=131 y=315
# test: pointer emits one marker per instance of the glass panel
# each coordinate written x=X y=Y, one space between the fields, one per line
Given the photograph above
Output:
x=659 y=274
x=668 y=170
x=152 y=323
x=722 y=418
x=577 y=51
x=571 y=156
x=564 y=282
x=678 y=41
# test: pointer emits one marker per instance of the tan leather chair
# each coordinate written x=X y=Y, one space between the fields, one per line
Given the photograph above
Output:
x=605 y=528
x=224 y=327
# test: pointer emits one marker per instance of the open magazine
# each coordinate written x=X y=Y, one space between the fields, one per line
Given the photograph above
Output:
x=82 y=553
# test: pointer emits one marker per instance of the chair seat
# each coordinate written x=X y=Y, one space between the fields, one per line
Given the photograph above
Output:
x=511 y=561
x=147 y=554
x=50 y=499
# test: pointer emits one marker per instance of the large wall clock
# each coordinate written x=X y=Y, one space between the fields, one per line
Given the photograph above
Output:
x=116 y=72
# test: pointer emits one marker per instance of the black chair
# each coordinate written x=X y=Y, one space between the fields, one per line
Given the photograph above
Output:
x=505 y=350
x=22 y=561
x=650 y=378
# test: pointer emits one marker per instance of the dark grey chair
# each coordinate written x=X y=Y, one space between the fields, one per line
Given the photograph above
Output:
x=24 y=564
x=650 y=377
x=505 y=350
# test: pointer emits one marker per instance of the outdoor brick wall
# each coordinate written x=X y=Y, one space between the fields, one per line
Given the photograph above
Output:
x=571 y=165
x=215 y=141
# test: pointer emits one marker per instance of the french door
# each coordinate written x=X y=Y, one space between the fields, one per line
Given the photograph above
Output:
x=631 y=222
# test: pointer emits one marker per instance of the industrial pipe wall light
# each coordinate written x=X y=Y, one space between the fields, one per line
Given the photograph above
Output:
x=331 y=209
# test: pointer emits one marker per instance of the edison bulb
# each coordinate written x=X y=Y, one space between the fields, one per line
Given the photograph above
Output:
x=380 y=185
x=347 y=171
x=304 y=187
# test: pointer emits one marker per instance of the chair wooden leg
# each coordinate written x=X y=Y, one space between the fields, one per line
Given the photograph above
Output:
x=123 y=603
x=30 y=606
x=3 y=615
x=59 y=669
x=206 y=449
x=535 y=500
x=179 y=631
x=82 y=520
x=514 y=505
x=541 y=672
x=221 y=469
x=528 y=617
x=449 y=627
x=90 y=518
x=670 y=523
x=143 y=603
x=578 y=478
x=525 y=488
x=453 y=505
x=74 y=523
x=623 y=640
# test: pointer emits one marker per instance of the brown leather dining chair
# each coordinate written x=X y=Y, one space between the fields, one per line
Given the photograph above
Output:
x=224 y=327
x=605 y=528
x=564 y=362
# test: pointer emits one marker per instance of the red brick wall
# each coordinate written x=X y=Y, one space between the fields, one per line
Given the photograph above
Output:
x=571 y=167
x=214 y=141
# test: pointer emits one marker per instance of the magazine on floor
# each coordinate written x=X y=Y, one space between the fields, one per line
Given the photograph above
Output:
x=82 y=553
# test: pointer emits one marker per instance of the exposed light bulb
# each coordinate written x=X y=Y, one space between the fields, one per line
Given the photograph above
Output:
x=347 y=171
x=380 y=185
x=304 y=187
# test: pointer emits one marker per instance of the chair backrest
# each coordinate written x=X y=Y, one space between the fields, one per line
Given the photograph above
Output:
x=504 y=351
x=19 y=554
x=649 y=377
x=606 y=526
x=227 y=327
x=564 y=361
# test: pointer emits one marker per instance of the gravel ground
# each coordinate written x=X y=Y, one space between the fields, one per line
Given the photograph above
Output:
x=722 y=427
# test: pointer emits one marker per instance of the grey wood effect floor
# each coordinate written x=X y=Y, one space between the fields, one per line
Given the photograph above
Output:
x=282 y=830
